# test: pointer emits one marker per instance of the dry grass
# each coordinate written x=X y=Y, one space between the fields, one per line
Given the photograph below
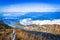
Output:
x=54 y=29
x=21 y=35
x=4 y=33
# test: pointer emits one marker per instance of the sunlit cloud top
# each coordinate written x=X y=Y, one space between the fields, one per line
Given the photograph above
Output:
x=29 y=21
x=31 y=7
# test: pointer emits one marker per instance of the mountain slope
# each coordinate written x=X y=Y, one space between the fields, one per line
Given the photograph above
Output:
x=3 y=25
x=34 y=35
x=54 y=28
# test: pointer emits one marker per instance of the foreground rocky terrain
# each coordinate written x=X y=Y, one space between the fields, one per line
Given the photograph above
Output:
x=5 y=31
x=27 y=35
x=46 y=33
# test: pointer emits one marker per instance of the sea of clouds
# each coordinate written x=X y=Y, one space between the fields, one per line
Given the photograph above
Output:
x=29 y=21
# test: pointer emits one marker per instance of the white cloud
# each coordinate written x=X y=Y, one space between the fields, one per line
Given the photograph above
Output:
x=10 y=18
x=29 y=8
x=14 y=13
x=29 y=21
x=26 y=21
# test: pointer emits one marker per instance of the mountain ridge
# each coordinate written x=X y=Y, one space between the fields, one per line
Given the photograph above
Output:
x=54 y=28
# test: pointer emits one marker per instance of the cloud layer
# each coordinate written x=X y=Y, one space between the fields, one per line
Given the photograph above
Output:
x=32 y=7
x=29 y=21
x=11 y=15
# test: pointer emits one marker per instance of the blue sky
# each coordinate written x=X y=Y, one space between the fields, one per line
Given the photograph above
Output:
x=24 y=5
x=7 y=2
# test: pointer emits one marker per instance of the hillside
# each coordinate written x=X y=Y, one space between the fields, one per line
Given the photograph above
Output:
x=54 y=28
x=4 y=30
x=34 y=35
x=3 y=25
x=22 y=34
